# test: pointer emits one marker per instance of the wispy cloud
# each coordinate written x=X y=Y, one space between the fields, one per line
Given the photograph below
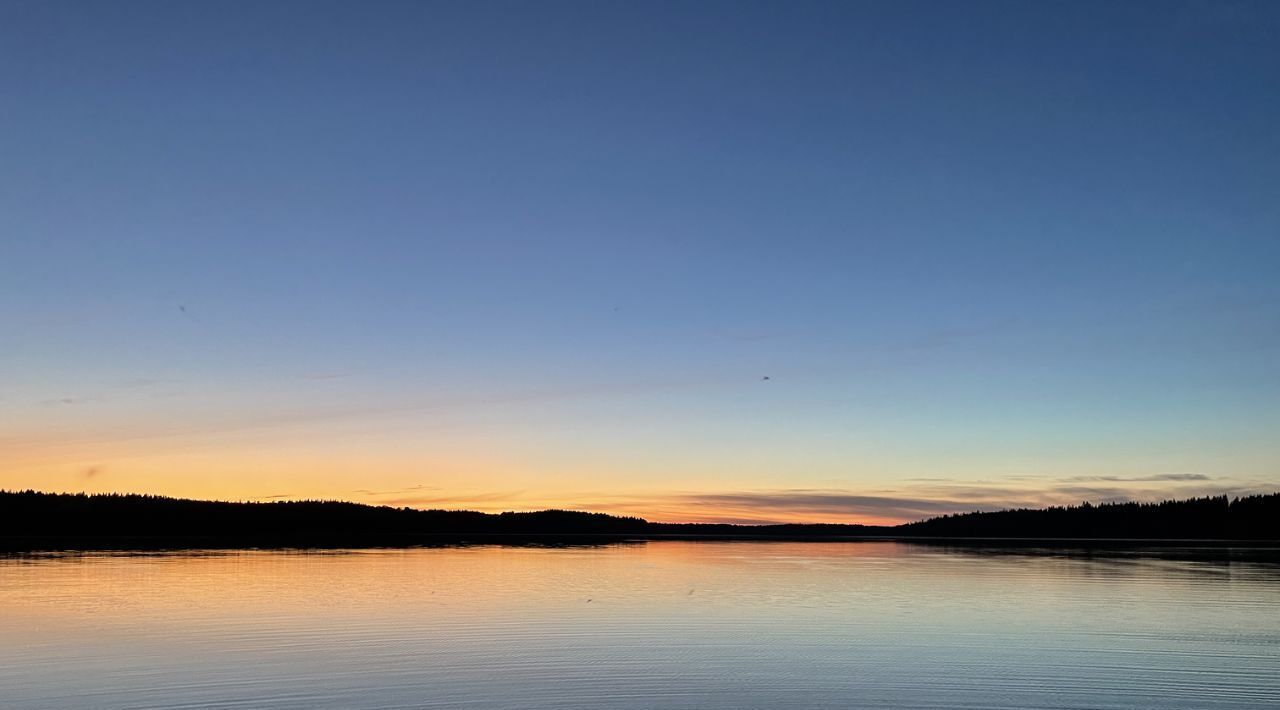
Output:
x=1094 y=494
x=913 y=501
x=439 y=408
x=906 y=501
x=813 y=504
x=791 y=502
x=70 y=400
x=396 y=491
x=452 y=501
x=1158 y=477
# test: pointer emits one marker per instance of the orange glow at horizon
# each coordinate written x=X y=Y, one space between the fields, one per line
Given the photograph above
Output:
x=387 y=469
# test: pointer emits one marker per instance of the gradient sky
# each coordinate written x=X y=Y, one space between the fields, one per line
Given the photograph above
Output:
x=516 y=255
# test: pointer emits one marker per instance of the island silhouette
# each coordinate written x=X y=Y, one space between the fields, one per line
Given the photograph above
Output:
x=33 y=520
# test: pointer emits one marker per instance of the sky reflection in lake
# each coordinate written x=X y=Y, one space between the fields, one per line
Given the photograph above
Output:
x=667 y=624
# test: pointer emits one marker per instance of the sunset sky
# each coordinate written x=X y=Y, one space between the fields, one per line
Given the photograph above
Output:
x=509 y=256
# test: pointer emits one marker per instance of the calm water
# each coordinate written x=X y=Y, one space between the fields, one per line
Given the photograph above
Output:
x=657 y=625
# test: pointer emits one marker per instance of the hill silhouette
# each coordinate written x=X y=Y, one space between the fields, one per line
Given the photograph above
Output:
x=36 y=520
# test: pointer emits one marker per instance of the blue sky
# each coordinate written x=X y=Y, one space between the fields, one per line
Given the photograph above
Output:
x=544 y=253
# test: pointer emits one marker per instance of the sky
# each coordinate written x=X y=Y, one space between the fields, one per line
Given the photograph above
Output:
x=784 y=261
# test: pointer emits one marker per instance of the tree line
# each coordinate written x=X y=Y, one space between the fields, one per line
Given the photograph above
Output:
x=29 y=516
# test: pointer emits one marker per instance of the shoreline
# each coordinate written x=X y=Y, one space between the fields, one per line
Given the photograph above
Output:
x=19 y=544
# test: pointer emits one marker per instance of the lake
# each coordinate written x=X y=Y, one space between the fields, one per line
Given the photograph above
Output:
x=642 y=625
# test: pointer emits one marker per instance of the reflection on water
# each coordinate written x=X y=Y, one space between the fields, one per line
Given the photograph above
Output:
x=665 y=624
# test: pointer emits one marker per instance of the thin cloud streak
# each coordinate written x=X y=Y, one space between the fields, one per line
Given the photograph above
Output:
x=813 y=504
x=1158 y=477
x=396 y=491
x=454 y=500
x=240 y=420
x=889 y=506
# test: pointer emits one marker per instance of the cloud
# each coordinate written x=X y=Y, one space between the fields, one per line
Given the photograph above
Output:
x=395 y=491
x=70 y=400
x=1077 y=494
x=1158 y=477
x=915 y=501
x=1124 y=494
x=814 y=504
x=451 y=500
x=196 y=423
x=905 y=503
x=824 y=502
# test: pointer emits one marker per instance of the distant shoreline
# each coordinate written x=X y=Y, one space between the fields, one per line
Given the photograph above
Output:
x=16 y=544
x=36 y=521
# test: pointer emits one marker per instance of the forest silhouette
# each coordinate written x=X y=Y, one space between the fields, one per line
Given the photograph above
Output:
x=36 y=520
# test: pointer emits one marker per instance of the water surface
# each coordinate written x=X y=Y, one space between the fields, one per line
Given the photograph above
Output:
x=646 y=625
